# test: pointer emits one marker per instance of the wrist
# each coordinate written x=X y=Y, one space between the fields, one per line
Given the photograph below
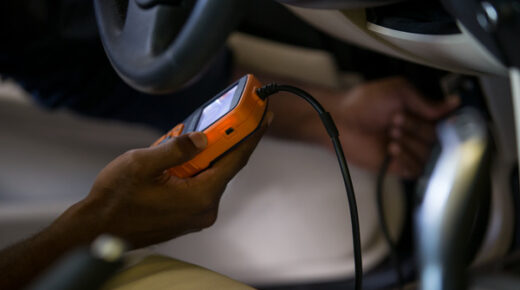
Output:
x=78 y=225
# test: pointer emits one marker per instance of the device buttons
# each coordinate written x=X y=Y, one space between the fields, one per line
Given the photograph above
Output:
x=164 y=140
x=176 y=131
x=229 y=131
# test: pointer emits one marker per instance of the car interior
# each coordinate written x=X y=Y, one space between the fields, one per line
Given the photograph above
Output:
x=455 y=227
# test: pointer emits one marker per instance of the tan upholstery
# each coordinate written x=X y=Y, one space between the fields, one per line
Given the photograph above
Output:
x=159 y=272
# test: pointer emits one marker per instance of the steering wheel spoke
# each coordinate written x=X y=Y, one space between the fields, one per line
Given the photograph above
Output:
x=149 y=31
x=160 y=45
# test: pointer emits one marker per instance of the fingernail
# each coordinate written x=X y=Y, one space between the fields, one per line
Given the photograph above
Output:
x=199 y=139
x=270 y=117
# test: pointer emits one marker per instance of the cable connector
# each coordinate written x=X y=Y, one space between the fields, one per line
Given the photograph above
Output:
x=273 y=88
x=267 y=90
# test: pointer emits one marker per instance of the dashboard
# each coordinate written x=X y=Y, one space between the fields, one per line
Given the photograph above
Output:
x=438 y=33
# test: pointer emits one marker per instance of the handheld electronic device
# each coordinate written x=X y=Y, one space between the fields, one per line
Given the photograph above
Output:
x=233 y=115
x=227 y=119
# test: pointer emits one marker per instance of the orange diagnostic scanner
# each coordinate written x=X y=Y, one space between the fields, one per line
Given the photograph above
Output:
x=227 y=119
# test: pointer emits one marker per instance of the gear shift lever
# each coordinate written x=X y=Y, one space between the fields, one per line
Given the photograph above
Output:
x=452 y=198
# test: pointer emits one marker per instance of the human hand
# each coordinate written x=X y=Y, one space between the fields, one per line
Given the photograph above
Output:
x=134 y=198
x=389 y=116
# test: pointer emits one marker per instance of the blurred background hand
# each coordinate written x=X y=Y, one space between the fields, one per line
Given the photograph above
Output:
x=386 y=116
x=134 y=197
x=389 y=116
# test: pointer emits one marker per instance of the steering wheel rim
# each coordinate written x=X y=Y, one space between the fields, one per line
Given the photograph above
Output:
x=160 y=45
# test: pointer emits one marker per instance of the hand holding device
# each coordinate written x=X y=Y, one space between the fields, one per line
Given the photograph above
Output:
x=227 y=120
x=134 y=198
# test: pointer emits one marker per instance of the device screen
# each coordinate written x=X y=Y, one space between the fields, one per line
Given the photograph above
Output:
x=216 y=110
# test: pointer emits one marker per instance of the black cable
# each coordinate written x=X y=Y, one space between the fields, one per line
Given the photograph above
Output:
x=271 y=89
x=394 y=255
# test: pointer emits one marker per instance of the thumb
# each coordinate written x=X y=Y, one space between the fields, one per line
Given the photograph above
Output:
x=175 y=152
x=433 y=111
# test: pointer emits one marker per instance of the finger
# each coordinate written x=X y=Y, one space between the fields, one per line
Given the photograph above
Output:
x=172 y=153
x=228 y=166
x=403 y=163
x=422 y=129
x=415 y=102
x=410 y=144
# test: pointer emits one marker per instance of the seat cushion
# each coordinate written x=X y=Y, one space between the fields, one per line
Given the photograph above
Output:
x=158 y=272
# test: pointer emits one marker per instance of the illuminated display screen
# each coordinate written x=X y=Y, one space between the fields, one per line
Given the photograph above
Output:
x=216 y=110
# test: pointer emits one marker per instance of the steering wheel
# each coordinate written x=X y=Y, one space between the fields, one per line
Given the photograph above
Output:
x=157 y=46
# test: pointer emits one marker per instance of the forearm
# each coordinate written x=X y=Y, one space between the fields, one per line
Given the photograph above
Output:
x=22 y=262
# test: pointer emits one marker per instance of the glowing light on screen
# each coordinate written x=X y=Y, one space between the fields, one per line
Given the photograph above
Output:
x=216 y=110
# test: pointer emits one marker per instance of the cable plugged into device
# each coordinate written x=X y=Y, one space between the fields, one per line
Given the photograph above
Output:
x=326 y=118
x=267 y=90
x=330 y=126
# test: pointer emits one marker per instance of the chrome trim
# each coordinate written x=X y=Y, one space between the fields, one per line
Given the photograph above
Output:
x=444 y=218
